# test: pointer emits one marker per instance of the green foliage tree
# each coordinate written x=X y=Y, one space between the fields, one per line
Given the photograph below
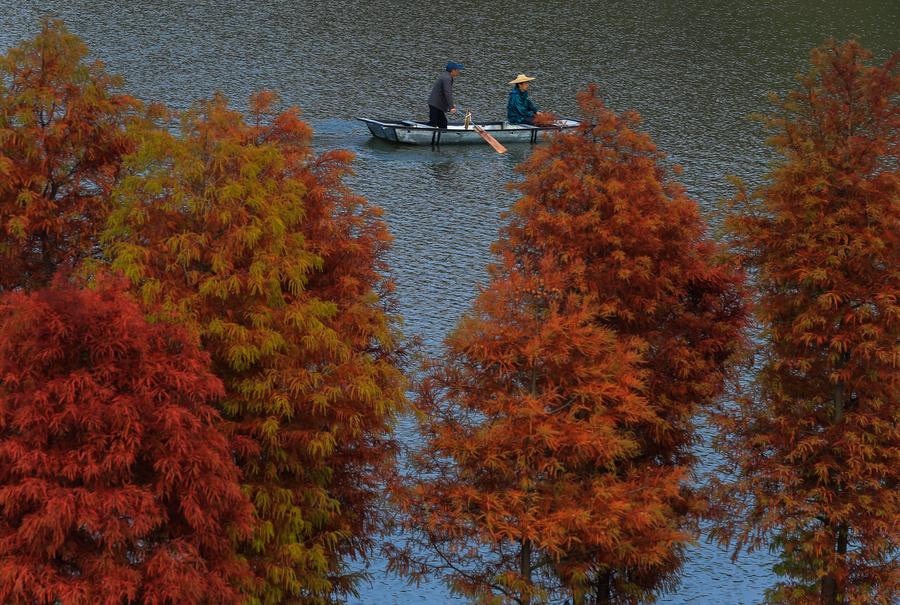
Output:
x=237 y=229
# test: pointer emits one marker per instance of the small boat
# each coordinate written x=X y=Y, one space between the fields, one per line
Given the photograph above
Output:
x=420 y=133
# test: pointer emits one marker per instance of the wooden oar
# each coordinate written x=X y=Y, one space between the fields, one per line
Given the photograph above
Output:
x=484 y=135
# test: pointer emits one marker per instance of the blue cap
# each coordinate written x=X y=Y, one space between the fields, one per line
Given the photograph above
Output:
x=452 y=65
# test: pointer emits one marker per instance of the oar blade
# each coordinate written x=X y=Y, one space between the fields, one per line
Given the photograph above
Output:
x=490 y=140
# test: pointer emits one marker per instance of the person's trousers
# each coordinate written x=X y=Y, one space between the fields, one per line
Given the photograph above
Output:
x=436 y=117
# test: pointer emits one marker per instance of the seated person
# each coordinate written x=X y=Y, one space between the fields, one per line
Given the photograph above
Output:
x=520 y=109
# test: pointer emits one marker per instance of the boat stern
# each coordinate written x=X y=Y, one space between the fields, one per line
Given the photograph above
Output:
x=380 y=130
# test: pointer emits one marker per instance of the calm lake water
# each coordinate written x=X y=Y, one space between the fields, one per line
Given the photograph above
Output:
x=694 y=69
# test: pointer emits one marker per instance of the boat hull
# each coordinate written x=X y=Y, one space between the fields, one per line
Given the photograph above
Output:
x=419 y=133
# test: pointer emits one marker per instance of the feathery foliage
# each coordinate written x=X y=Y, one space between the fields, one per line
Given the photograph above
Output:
x=62 y=139
x=814 y=446
x=240 y=231
x=115 y=484
x=559 y=422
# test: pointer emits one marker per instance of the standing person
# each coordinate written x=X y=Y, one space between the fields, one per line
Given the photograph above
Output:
x=520 y=109
x=440 y=101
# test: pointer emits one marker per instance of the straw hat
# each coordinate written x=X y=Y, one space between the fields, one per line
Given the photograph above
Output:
x=521 y=78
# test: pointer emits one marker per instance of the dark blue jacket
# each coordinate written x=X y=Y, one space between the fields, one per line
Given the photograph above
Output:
x=519 y=107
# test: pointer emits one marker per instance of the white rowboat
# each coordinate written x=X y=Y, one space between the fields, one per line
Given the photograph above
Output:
x=420 y=133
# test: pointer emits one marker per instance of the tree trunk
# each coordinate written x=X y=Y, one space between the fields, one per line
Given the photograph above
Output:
x=829 y=590
x=525 y=564
x=832 y=590
x=602 y=587
x=838 y=399
x=832 y=593
x=525 y=544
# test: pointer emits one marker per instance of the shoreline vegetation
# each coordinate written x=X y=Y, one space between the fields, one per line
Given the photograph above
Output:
x=202 y=364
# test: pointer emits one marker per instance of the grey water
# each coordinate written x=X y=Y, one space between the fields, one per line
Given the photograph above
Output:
x=694 y=69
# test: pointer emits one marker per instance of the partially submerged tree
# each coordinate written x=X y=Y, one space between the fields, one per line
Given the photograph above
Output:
x=240 y=231
x=815 y=445
x=559 y=423
x=115 y=484
x=62 y=138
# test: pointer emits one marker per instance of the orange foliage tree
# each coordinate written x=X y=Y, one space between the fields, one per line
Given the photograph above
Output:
x=558 y=424
x=62 y=138
x=241 y=232
x=815 y=446
x=115 y=484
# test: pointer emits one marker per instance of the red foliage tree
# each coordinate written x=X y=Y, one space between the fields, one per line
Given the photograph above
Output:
x=559 y=444
x=62 y=138
x=530 y=443
x=815 y=446
x=239 y=230
x=115 y=485
x=603 y=203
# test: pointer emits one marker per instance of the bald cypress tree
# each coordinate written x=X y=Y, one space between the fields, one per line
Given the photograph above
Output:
x=559 y=420
x=62 y=142
x=116 y=484
x=814 y=446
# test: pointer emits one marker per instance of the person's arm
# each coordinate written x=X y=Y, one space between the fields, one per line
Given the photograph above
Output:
x=532 y=107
